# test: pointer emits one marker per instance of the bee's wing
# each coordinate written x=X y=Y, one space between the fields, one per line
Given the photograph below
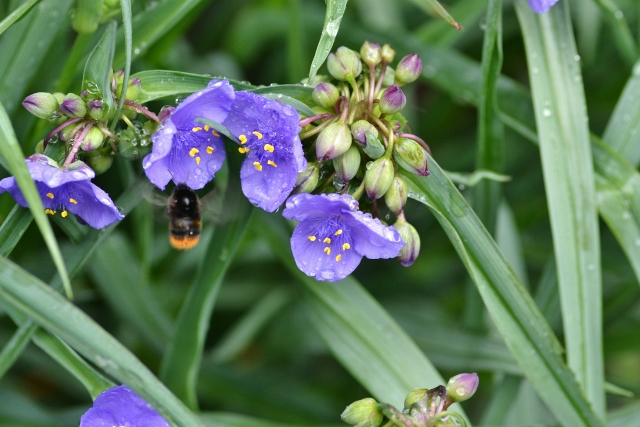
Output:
x=218 y=209
x=156 y=198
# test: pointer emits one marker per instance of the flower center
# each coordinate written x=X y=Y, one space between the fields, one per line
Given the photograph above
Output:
x=253 y=141
x=333 y=240
x=202 y=131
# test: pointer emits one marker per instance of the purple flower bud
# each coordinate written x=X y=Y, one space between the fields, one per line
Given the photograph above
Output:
x=541 y=6
x=165 y=113
x=325 y=95
x=347 y=165
x=97 y=108
x=344 y=63
x=359 y=131
x=333 y=141
x=73 y=106
x=392 y=100
x=411 y=156
x=378 y=177
x=410 y=236
x=133 y=90
x=92 y=140
x=308 y=179
x=408 y=69
x=363 y=413
x=388 y=54
x=396 y=197
x=42 y=104
x=416 y=395
x=371 y=53
x=462 y=387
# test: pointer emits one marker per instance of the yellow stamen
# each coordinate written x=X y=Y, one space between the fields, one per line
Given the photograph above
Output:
x=50 y=195
x=209 y=149
x=244 y=150
x=312 y=238
x=243 y=139
x=198 y=160
x=339 y=257
x=346 y=246
x=207 y=127
x=326 y=240
x=339 y=232
x=258 y=166
x=272 y=163
x=215 y=133
x=268 y=147
x=63 y=214
x=74 y=201
x=49 y=212
x=196 y=129
x=193 y=151
x=258 y=134
x=327 y=251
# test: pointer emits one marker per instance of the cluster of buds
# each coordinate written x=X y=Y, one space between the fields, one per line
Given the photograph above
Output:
x=82 y=124
x=360 y=135
x=422 y=407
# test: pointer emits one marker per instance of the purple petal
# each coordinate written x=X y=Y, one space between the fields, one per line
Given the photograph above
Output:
x=372 y=238
x=212 y=103
x=42 y=170
x=92 y=204
x=541 y=6
x=309 y=206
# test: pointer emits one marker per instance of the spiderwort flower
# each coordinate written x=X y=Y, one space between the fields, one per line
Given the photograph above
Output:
x=187 y=151
x=268 y=135
x=68 y=190
x=120 y=406
x=333 y=235
x=541 y=6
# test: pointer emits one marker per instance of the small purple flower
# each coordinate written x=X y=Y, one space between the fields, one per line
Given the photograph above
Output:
x=541 y=6
x=268 y=135
x=68 y=190
x=120 y=406
x=184 y=150
x=333 y=235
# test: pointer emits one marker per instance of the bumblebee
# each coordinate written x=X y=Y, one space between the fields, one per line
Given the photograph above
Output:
x=183 y=209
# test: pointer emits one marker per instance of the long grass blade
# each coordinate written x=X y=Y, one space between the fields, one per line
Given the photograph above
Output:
x=125 y=6
x=15 y=346
x=332 y=19
x=17 y=14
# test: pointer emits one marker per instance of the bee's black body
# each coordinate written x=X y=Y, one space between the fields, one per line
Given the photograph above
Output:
x=183 y=207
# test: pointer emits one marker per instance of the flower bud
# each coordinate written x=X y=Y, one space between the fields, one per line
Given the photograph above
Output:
x=65 y=133
x=97 y=108
x=87 y=15
x=59 y=97
x=133 y=89
x=396 y=197
x=410 y=237
x=363 y=413
x=117 y=80
x=388 y=54
x=416 y=395
x=165 y=113
x=408 y=69
x=39 y=148
x=462 y=387
x=347 y=165
x=371 y=53
x=43 y=105
x=92 y=140
x=308 y=179
x=333 y=141
x=359 y=130
x=131 y=146
x=392 y=100
x=73 y=106
x=411 y=156
x=325 y=95
x=344 y=63
x=378 y=177
x=389 y=77
x=100 y=162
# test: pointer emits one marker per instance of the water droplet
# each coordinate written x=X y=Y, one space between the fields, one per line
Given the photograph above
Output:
x=626 y=215
x=619 y=14
x=577 y=57
x=535 y=70
x=546 y=112
x=136 y=51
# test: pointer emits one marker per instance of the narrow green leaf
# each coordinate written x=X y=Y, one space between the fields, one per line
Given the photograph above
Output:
x=226 y=419
x=436 y=32
x=97 y=72
x=12 y=153
x=125 y=7
x=332 y=18
x=17 y=14
x=561 y=118
x=25 y=293
x=588 y=20
x=180 y=366
x=12 y=229
x=625 y=416
x=434 y=8
x=295 y=42
x=520 y=323
x=15 y=346
x=622 y=36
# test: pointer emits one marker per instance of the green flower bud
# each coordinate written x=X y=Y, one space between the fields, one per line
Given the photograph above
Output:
x=389 y=77
x=112 y=3
x=462 y=387
x=43 y=105
x=410 y=236
x=363 y=413
x=325 y=95
x=371 y=53
x=411 y=156
x=347 y=165
x=100 y=162
x=133 y=90
x=378 y=177
x=73 y=106
x=388 y=54
x=396 y=197
x=392 y=100
x=59 y=97
x=408 y=69
x=344 y=63
x=39 y=148
x=416 y=395
x=359 y=130
x=92 y=140
x=308 y=179
x=118 y=77
x=132 y=146
x=87 y=15
x=65 y=133
x=333 y=141
x=97 y=108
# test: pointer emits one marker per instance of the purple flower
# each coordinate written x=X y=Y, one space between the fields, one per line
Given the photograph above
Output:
x=120 y=406
x=268 y=135
x=541 y=6
x=333 y=235
x=184 y=150
x=67 y=190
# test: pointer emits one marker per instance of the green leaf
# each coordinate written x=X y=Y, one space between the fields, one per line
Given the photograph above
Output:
x=97 y=71
x=434 y=8
x=437 y=32
x=17 y=14
x=622 y=36
x=624 y=416
x=125 y=6
x=15 y=346
x=226 y=419
x=561 y=117
x=332 y=18
x=12 y=229
x=23 y=292
x=523 y=328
